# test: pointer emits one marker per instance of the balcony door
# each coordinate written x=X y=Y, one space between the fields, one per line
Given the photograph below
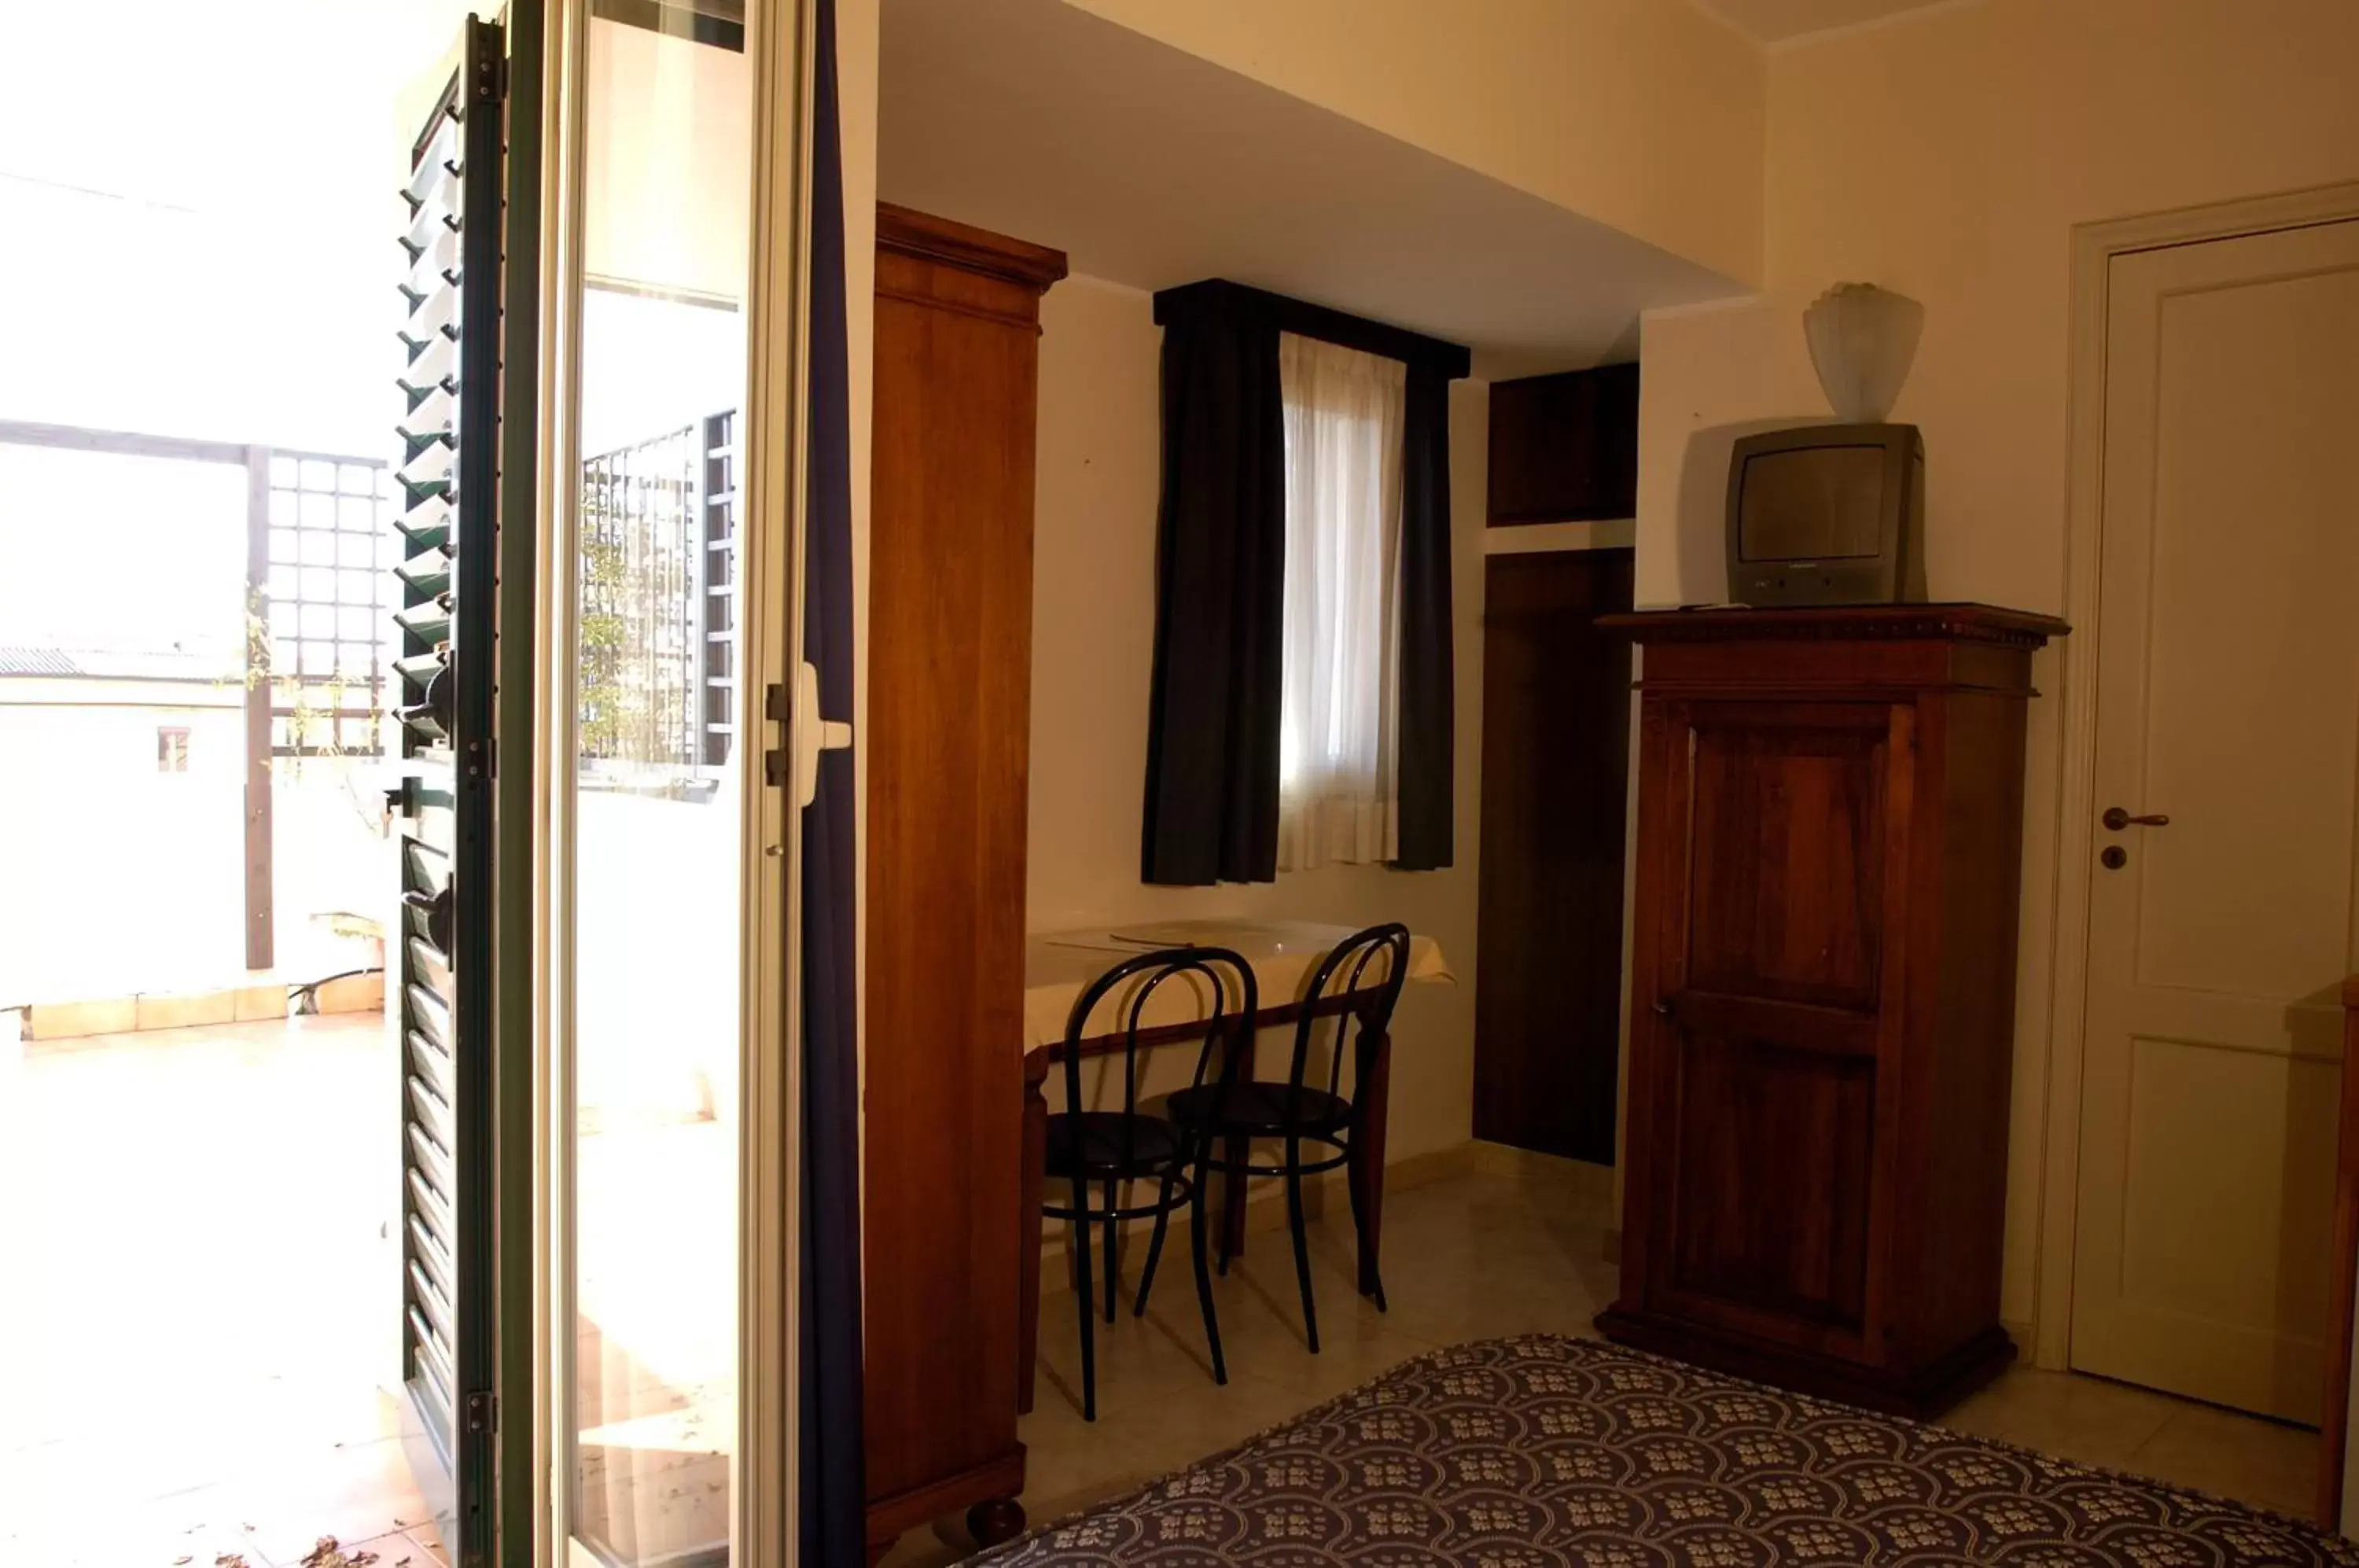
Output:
x=670 y=608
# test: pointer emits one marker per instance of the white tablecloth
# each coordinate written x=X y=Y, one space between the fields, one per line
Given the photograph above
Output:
x=1058 y=966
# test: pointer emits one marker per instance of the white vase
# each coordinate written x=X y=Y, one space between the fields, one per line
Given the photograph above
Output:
x=1862 y=340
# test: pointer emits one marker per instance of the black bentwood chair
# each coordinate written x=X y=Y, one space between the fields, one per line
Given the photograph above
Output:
x=1112 y=1150
x=1358 y=983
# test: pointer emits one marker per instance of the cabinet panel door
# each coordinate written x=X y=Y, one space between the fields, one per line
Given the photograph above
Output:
x=1773 y=1159
x=1787 y=842
x=1784 y=839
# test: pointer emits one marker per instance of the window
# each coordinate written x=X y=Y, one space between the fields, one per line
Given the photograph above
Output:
x=1338 y=799
x=171 y=748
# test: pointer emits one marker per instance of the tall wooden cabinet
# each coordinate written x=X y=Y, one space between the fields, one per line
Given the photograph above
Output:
x=1830 y=845
x=950 y=646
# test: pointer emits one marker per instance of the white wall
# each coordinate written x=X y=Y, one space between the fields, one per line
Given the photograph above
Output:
x=1093 y=630
x=1949 y=156
x=1644 y=114
x=135 y=880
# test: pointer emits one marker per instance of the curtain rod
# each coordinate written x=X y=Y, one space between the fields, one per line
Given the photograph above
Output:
x=1218 y=296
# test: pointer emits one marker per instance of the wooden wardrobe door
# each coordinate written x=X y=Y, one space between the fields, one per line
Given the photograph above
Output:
x=1791 y=842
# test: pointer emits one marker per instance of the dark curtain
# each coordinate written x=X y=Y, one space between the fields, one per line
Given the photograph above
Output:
x=833 y=1528
x=1220 y=602
x=1426 y=734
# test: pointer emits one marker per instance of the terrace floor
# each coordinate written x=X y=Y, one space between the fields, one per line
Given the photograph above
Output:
x=197 y=1369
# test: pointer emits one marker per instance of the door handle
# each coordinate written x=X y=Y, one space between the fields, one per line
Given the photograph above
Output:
x=1664 y=1008
x=814 y=735
x=2115 y=819
x=796 y=761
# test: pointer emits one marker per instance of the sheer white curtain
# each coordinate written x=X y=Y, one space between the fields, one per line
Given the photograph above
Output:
x=1337 y=795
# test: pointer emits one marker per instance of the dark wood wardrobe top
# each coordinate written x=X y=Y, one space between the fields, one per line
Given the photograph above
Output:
x=928 y=238
x=1856 y=623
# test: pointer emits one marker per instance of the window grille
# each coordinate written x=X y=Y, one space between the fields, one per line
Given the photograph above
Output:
x=325 y=603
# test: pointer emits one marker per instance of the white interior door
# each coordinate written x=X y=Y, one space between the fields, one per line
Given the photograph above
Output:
x=2227 y=700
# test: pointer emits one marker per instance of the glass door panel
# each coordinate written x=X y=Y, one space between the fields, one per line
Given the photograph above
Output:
x=656 y=819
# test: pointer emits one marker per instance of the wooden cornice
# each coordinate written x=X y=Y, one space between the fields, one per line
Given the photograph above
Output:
x=1845 y=623
x=928 y=238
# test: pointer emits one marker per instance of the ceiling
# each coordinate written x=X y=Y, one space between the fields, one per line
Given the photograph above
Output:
x=1779 y=21
x=1151 y=167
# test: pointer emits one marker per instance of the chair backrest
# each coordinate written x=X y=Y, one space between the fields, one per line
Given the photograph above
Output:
x=1368 y=967
x=1223 y=984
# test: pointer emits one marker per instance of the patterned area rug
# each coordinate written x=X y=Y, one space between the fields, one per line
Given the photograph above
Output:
x=1542 y=1452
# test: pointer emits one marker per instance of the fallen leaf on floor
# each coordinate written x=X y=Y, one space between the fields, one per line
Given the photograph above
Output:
x=230 y=1560
x=177 y=1560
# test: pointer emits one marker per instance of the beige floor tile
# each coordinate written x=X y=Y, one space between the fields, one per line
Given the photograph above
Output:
x=1140 y=1361
x=1261 y=1332
x=430 y=1541
x=1177 y=1433
x=396 y=1550
x=2072 y=1417
x=353 y=1494
x=123 y=1535
x=2258 y=1462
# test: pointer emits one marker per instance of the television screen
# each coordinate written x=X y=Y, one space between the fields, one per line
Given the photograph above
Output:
x=1820 y=503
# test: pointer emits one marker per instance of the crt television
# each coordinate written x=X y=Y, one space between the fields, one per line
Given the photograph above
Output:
x=1828 y=515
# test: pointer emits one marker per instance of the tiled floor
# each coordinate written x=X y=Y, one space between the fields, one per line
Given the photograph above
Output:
x=198 y=1371
x=208 y=1212
x=1471 y=1257
x=195 y=1370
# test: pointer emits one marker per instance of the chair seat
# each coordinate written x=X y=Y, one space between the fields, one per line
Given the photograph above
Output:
x=1266 y=1110
x=1092 y=1143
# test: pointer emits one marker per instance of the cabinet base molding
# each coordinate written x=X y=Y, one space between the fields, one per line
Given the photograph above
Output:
x=987 y=1490
x=1920 y=1393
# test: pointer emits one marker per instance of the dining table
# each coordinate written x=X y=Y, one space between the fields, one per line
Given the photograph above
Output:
x=1284 y=957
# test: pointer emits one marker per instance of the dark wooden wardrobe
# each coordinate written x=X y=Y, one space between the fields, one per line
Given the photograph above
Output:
x=950 y=674
x=1556 y=770
x=1823 y=995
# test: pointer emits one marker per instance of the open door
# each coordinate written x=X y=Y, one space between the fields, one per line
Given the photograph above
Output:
x=442 y=805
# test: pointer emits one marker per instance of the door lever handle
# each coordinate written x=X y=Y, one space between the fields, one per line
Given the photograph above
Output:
x=2115 y=819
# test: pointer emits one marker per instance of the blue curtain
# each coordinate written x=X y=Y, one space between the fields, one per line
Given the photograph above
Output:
x=833 y=1506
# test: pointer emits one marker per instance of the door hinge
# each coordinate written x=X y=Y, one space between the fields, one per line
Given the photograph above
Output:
x=484 y=1412
x=484 y=759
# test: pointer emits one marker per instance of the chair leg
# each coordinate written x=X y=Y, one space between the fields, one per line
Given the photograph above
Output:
x=1081 y=1295
x=1198 y=1218
x=1155 y=1243
x=1113 y=1254
x=1301 y=1238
